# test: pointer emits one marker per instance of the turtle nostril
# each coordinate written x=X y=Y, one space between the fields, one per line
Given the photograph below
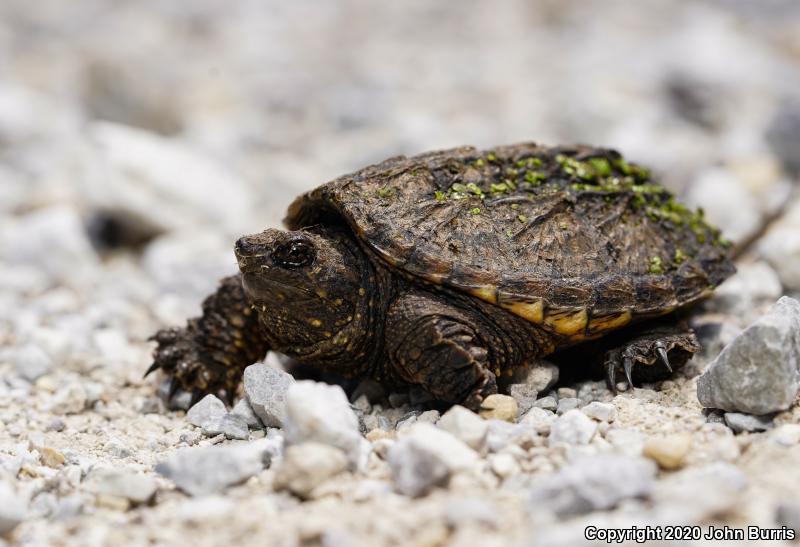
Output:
x=249 y=246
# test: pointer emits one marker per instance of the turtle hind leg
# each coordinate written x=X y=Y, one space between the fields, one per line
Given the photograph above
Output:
x=650 y=353
x=210 y=354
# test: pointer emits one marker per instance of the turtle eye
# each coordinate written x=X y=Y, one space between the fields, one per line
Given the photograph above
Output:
x=294 y=254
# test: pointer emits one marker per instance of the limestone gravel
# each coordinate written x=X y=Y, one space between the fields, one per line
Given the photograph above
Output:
x=757 y=373
x=266 y=388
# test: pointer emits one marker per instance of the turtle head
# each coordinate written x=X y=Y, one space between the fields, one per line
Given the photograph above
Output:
x=305 y=285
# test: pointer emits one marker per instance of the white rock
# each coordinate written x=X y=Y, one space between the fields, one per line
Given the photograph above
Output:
x=266 y=388
x=146 y=176
x=539 y=419
x=54 y=241
x=425 y=457
x=122 y=484
x=602 y=412
x=465 y=425
x=211 y=469
x=786 y=434
x=207 y=410
x=31 y=361
x=566 y=404
x=13 y=508
x=572 y=427
x=503 y=465
x=739 y=422
x=230 y=425
x=321 y=412
x=243 y=409
x=70 y=399
x=546 y=403
x=757 y=373
x=594 y=483
x=307 y=465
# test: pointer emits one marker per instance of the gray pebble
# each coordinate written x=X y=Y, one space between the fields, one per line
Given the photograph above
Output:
x=207 y=410
x=245 y=411
x=546 y=403
x=31 y=362
x=524 y=394
x=739 y=422
x=567 y=403
x=266 y=389
x=572 y=427
x=206 y=470
x=232 y=426
x=757 y=373
x=602 y=412
x=122 y=484
x=594 y=483
x=425 y=457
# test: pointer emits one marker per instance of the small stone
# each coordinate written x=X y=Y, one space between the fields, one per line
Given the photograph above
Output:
x=465 y=425
x=669 y=451
x=594 y=483
x=538 y=419
x=12 y=508
x=542 y=376
x=429 y=416
x=266 y=388
x=31 y=362
x=231 y=425
x=56 y=424
x=546 y=403
x=572 y=427
x=320 y=412
x=52 y=457
x=757 y=373
x=524 y=394
x=501 y=433
x=69 y=400
x=503 y=465
x=786 y=434
x=602 y=412
x=426 y=457
x=739 y=422
x=245 y=411
x=307 y=465
x=566 y=392
x=362 y=404
x=211 y=469
x=206 y=410
x=133 y=487
x=499 y=407
x=567 y=403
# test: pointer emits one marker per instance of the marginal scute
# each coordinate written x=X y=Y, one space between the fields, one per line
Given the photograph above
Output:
x=605 y=323
x=567 y=322
x=532 y=311
x=487 y=293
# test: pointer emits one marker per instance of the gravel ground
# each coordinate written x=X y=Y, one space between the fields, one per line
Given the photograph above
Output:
x=137 y=140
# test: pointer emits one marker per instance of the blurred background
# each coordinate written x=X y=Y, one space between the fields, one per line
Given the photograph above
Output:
x=139 y=138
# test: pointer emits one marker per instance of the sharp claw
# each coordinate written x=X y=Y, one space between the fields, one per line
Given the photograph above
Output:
x=662 y=354
x=154 y=367
x=611 y=375
x=627 y=364
x=195 y=397
x=174 y=385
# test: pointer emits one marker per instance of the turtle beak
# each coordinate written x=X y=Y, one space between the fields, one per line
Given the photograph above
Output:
x=252 y=251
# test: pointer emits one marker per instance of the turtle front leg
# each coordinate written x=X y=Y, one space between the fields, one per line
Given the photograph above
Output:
x=661 y=347
x=435 y=345
x=210 y=354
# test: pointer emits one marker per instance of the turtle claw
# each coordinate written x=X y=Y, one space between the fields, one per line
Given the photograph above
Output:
x=611 y=375
x=627 y=364
x=154 y=367
x=662 y=354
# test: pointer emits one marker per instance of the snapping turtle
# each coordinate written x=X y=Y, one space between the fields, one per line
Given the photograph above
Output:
x=451 y=269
